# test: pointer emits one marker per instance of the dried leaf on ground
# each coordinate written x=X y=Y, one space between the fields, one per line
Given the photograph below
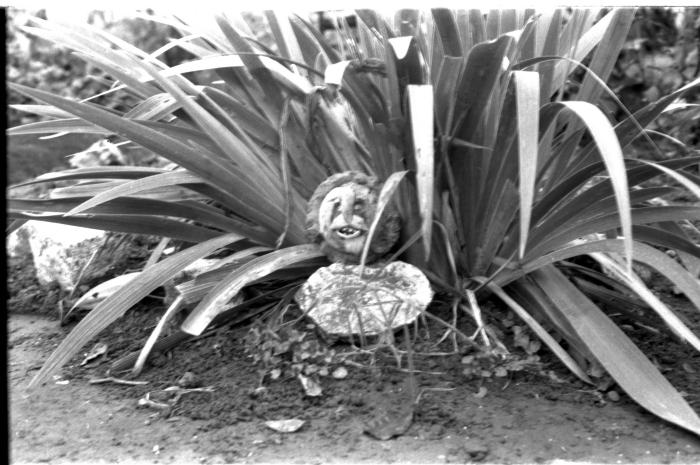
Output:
x=285 y=426
x=311 y=387
x=388 y=424
x=340 y=373
x=99 y=350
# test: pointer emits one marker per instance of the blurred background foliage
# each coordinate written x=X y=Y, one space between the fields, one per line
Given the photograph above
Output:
x=39 y=64
x=660 y=56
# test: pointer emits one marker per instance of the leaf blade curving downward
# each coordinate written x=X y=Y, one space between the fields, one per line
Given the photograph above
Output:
x=118 y=303
x=166 y=179
x=609 y=147
x=214 y=302
x=391 y=184
x=616 y=352
x=541 y=333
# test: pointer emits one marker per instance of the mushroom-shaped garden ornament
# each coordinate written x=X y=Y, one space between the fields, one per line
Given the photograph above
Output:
x=346 y=298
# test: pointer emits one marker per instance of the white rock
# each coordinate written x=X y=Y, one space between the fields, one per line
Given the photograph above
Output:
x=60 y=251
x=101 y=153
x=386 y=297
x=17 y=244
x=340 y=373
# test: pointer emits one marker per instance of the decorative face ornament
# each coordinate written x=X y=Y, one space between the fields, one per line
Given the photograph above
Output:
x=341 y=211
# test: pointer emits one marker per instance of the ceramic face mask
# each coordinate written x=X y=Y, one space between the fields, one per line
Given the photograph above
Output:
x=345 y=215
x=341 y=211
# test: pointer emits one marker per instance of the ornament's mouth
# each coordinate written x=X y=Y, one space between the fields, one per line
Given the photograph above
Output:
x=348 y=232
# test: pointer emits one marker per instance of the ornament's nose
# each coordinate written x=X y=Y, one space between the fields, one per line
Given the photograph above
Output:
x=347 y=205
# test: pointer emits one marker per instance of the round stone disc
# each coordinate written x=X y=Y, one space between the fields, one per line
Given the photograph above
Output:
x=385 y=297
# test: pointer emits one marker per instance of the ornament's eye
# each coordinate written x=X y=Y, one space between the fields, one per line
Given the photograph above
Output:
x=333 y=202
x=359 y=206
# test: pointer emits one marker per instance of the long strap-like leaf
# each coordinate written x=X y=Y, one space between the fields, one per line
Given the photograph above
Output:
x=616 y=352
x=118 y=303
x=213 y=304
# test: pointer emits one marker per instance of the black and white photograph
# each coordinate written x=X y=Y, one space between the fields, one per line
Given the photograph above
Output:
x=369 y=234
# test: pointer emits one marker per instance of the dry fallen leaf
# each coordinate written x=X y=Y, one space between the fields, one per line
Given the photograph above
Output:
x=340 y=373
x=111 y=379
x=311 y=387
x=168 y=397
x=98 y=350
x=285 y=426
x=188 y=380
x=388 y=424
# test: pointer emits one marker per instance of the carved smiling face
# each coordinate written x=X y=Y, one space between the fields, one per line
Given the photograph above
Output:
x=341 y=211
x=345 y=216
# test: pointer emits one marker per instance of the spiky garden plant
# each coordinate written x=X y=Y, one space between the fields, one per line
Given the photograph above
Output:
x=502 y=169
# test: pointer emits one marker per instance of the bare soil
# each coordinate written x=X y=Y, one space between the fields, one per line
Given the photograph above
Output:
x=538 y=415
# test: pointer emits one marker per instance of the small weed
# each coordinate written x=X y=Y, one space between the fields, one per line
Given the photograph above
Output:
x=487 y=364
x=495 y=362
x=287 y=351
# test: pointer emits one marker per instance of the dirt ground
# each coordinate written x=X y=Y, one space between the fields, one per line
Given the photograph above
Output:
x=538 y=415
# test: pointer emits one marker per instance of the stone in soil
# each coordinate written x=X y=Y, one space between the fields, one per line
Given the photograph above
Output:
x=59 y=251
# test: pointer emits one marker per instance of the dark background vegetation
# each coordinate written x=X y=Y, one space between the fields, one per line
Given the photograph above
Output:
x=661 y=55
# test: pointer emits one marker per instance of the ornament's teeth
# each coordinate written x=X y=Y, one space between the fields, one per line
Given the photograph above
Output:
x=348 y=232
